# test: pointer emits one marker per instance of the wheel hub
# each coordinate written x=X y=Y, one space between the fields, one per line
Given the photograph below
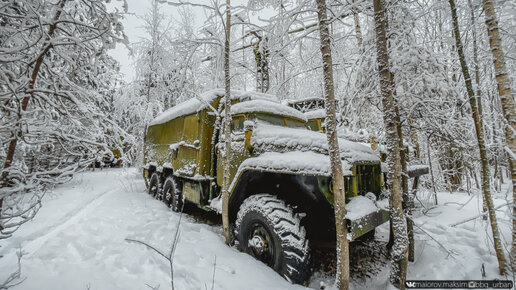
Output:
x=258 y=244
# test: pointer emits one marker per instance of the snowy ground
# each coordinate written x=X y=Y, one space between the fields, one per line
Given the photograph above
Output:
x=77 y=241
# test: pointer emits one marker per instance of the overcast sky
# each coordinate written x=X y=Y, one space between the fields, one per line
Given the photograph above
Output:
x=133 y=29
x=133 y=26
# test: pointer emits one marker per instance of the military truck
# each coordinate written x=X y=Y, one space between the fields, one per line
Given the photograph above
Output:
x=281 y=196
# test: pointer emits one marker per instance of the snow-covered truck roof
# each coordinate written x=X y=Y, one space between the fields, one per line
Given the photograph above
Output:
x=266 y=106
x=204 y=101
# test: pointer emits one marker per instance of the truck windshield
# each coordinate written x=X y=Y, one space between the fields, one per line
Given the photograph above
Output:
x=280 y=120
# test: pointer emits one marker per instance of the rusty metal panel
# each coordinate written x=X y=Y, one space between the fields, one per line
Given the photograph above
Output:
x=192 y=192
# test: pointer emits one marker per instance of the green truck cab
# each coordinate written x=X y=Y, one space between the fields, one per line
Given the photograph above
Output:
x=281 y=198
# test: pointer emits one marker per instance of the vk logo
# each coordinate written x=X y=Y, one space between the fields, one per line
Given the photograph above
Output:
x=410 y=284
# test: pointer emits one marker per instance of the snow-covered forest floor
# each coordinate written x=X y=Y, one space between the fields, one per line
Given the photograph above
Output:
x=77 y=241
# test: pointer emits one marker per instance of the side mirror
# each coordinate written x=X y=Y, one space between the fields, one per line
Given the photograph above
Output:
x=248 y=125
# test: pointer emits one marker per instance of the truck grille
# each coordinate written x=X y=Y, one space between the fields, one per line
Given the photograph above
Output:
x=366 y=178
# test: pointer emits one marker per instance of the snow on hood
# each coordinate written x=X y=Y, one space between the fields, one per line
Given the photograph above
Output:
x=203 y=101
x=302 y=162
x=281 y=139
x=266 y=106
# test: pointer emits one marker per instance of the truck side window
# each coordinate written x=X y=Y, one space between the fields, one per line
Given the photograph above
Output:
x=292 y=123
x=271 y=119
x=312 y=124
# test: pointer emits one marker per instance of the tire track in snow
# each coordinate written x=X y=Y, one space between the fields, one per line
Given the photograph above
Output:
x=32 y=246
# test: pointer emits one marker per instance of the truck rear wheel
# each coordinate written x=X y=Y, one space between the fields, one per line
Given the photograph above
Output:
x=268 y=229
x=154 y=185
x=172 y=194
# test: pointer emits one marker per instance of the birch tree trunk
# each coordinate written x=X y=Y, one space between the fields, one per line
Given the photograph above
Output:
x=399 y=253
x=227 y=128
x=507 y=100
x=358 y=30
x=333 y=144
x=481 y=142
x=407 y=203
x=477 y=81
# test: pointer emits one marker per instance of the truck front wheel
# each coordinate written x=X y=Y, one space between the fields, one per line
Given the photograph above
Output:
x=268 y=229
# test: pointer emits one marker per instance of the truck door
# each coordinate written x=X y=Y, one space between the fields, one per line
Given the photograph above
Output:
x=238 y=153
x=188 y=149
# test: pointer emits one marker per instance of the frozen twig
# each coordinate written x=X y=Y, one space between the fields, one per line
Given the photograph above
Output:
x=148 y=246
x=213 y=276
x=153 y=288
x=9 y=282
x=170 y=256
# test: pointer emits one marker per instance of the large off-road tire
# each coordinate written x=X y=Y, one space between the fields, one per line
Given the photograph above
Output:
x=154 y=185
x=268 y=229
x=172 y=195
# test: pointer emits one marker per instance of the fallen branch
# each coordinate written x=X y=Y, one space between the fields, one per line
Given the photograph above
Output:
x=471 y=198
x=441 y=245
x=477 y=216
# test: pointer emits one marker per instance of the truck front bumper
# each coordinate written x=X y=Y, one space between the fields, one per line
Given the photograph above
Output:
x=362 y=225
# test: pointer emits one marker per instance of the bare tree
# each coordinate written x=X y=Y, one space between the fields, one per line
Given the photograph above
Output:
x=507 y=100
x=399 y=254
x=334 y=152
x=227 y=127
x=479 y=128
